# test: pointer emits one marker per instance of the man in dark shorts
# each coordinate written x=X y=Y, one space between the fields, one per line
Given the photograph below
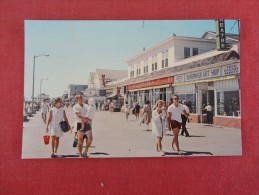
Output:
x=174 y=112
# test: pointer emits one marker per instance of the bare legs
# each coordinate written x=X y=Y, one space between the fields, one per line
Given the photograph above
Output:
x=54 y=145
x=80 y=137
x=81 y=141
x=175 y=139
x=89 y=141
x=43 y=115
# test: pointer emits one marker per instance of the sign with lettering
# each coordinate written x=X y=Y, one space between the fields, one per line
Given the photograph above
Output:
x=156 y=82
x=220 y=35
x=230 y=69
x=179 y=79
x=215 y=72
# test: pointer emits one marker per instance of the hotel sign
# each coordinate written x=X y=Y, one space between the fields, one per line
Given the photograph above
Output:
x=220 y=35
x=156 y=82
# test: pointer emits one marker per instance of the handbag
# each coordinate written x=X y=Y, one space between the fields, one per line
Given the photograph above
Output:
x=64 y=127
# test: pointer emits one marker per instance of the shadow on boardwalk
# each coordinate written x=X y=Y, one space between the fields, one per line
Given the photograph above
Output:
x=187 y=153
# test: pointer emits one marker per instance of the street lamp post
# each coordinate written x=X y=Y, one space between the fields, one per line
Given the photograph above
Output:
x=41 y=85
x=34 y=57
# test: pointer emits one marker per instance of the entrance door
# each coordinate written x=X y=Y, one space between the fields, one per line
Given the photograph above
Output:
x=204 y=99
x=211 y=99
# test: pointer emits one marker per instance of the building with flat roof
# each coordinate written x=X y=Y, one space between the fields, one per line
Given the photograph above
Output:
x=191 y=68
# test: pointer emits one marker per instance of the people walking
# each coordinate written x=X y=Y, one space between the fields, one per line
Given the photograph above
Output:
x=174 y=118
x=158 y=125
x=184 y=119
x=209 y=113
x=56 y=115
x=44 y=110
x=80 y=110
x=137 y=110
x=147 y=114
x=126 y=109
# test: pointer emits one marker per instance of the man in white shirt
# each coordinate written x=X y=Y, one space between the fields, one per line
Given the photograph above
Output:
x=174 y=112
x=184 y=120
x=80 y=110
x=209 y=113
x=44 y=110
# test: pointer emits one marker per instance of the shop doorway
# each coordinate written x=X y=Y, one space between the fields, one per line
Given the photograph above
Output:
x=204 y=99
x=162 y=95
x=211 y=97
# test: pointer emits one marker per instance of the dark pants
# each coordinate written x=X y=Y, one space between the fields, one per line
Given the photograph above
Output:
x=184 y=130
x=209 y=117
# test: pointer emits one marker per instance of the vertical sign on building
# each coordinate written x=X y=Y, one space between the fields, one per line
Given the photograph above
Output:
x=220 y=34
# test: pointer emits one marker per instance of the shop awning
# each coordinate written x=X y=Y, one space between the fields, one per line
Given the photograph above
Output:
x=111 y=96
x=207 y=80
x=154 y=87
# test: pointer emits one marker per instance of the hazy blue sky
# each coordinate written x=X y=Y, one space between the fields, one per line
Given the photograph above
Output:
x=79 y=47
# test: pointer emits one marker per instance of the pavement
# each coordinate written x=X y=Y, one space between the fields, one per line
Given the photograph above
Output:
x=115 y=137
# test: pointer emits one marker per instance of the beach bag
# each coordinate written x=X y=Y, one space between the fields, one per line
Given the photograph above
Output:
x=64 y=127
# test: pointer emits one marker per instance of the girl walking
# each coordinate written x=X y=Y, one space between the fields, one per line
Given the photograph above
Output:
x=57 y=114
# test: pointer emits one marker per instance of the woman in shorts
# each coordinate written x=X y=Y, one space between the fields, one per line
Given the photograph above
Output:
x=57 y=114
x=174 y=112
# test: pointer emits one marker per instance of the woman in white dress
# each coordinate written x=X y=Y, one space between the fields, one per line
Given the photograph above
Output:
x=158 y=125
x=57 y=114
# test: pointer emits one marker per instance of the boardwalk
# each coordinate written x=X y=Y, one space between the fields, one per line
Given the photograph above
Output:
x=116 y=137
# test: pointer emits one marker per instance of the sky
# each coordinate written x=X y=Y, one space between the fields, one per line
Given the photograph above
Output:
x=76 y=48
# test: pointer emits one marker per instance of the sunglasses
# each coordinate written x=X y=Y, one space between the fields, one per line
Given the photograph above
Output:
x=176 y=98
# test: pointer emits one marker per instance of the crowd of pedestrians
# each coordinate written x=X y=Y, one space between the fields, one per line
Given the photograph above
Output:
x=173 y=117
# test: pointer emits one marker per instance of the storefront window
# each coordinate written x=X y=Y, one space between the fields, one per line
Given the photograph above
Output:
x=190 y=101
x=228 y=103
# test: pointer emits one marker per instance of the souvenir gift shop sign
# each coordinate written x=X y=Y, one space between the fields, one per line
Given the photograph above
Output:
x=156 y=82
x=210 y=73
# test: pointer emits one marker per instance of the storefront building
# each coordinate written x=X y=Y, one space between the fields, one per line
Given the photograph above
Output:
x=217 y=84
x=153 y=90
x=194 y=70
x=212 y=77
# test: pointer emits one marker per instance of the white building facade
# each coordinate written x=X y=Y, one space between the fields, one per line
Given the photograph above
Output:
x=163 y=55
x=194 y=70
